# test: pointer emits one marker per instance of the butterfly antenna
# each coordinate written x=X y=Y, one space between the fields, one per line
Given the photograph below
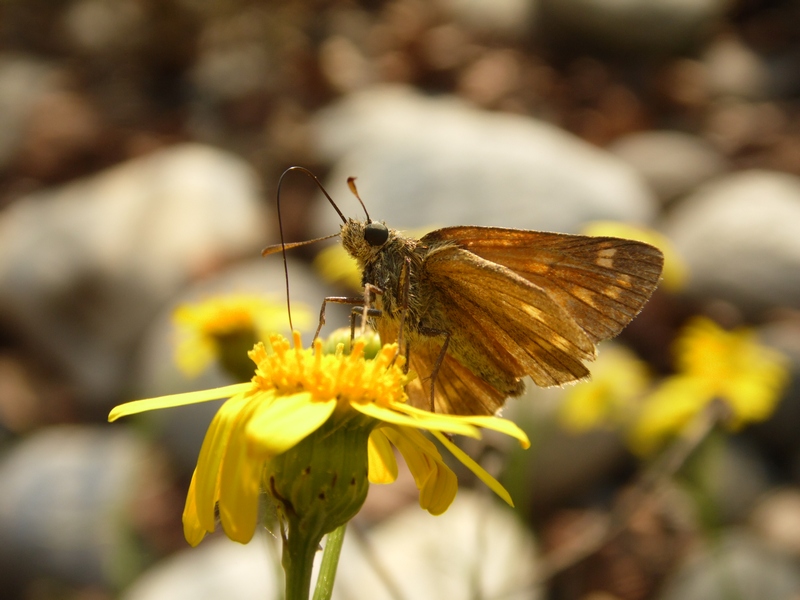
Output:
x=351 y=183
x=280 y=228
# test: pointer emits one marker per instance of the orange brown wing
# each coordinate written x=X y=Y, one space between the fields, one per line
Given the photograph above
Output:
x=458 y=391
x=602 y=282
x=502 y=326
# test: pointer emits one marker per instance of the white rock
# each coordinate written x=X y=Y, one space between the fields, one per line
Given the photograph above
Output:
x=217 y=568
x=84 y=266
x=740 y=237
x=436 y=161
x=67 y=492
x=672 y=162
x=644 y=25
x=477 y=549
x=23 y=80
x=509 y=19
x=735 y=70
x=733 y=563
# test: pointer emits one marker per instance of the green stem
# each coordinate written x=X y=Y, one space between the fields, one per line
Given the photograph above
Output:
x=298 y=561
x=330 y=560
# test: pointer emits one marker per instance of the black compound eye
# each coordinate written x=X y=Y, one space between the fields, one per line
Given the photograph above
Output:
x=376 y=234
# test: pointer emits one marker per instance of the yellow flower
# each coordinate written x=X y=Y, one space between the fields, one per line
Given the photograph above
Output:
x=307 y=430
x=608 y=399
x=225 y=327
x=713 y=364
x=675 y=271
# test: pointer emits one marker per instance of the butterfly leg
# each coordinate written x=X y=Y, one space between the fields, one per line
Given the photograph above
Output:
x=335 y=300
x=359 y=310
x=370 y=291
x=439 y=359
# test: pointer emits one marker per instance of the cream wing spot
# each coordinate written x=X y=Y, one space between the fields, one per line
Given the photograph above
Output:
x=605 y=258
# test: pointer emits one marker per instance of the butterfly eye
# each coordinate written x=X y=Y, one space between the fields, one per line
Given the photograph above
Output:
x=376 y=234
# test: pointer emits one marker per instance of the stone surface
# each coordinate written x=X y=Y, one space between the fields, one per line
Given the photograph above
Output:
x=67 y=491
x=83 y=267
x=734 y=564
x=671 y=162
x=477 y=548
x=634 y=25
x=218 y=568
x=23 y=80
x=509 y=19
x=740 y=238
x=435 y=161
x=734 y=70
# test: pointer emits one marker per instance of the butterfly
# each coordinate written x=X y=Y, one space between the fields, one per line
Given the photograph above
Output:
x=477 y=309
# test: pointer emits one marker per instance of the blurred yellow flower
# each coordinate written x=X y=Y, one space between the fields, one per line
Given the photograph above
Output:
x=713 y=365
x=310 y=430
x=221 y=326
x=675 y=272
x=609 y=399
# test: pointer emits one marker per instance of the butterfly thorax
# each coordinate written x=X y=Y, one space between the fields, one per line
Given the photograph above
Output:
x=386 y=266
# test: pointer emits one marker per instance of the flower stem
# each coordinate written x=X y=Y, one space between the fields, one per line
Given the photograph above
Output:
x=330 y=560
x=298 y=561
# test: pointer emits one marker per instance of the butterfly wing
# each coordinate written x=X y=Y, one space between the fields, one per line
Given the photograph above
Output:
x=601 y=282
x=502 y=326
x=458 y=391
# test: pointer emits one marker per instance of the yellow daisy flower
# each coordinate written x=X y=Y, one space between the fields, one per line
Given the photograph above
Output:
x=224 y=328
x=713 y=364
x=619 y=379
x=311 y=431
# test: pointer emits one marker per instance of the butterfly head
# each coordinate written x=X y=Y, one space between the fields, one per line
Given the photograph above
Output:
x=364 y=239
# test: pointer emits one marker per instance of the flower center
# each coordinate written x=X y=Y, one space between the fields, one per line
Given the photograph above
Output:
x=349 y=378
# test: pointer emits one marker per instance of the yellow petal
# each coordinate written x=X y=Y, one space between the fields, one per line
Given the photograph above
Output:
x=193 y=531
x=439 y=490
x=496 y=423
x=240 y=483
x=430 y=421
x=211 y=455
x=668 y=410
x=280 y=425
x=479 y=471
x=138 y=406
x=382 y=463
x=436 y=482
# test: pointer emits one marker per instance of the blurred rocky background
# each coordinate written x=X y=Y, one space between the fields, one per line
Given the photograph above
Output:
x=140 y=146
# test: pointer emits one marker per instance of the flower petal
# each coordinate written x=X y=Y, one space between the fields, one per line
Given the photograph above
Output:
x=382 y=463
x=439 y=490
x=138 y=406
x=496 y=423
x=193 y=531
x=437 y=484
x=430 y=421
x=668 y=410
x=279 y=425
x=211 y=455
x=479 y=471
x=239 y=482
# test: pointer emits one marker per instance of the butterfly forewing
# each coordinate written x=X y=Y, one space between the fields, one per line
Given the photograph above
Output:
x=601 y=282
